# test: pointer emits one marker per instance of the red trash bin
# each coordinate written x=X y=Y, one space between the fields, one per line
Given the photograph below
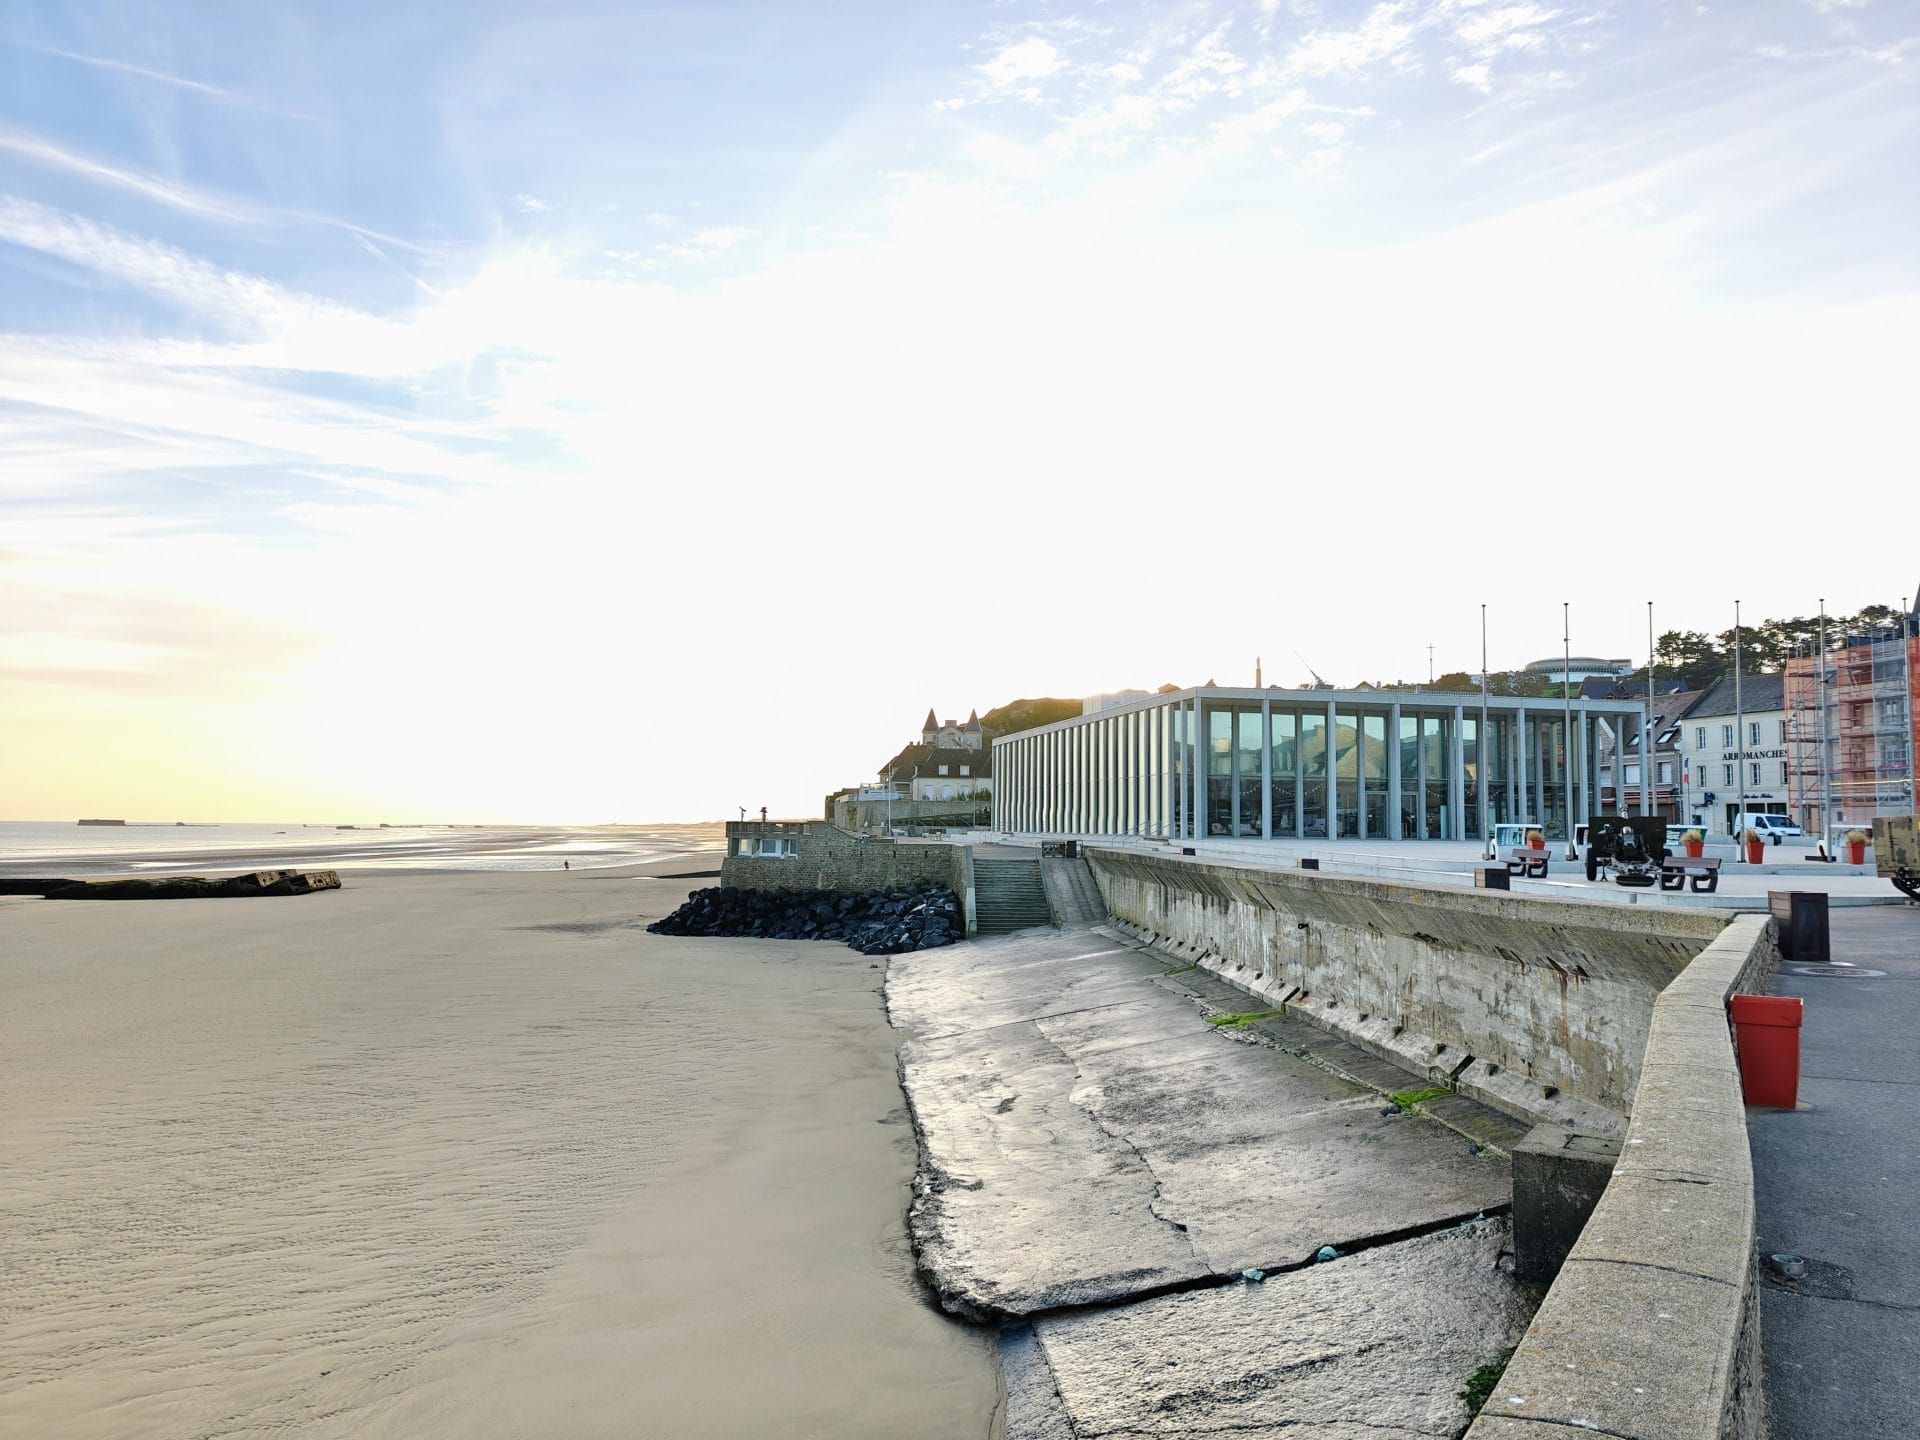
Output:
x=1766 y=1031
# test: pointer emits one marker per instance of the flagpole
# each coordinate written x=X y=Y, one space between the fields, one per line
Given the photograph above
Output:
x=1486 y=823
x=1739 y=737
x=1566 y=732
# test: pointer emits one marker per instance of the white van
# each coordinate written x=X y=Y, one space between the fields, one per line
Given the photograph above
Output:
x=1771 y=828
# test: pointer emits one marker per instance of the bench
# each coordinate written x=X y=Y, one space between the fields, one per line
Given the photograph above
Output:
x=1527 y=862
x=1702 y=875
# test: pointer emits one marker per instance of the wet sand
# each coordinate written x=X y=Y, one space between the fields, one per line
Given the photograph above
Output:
x=455 y=1154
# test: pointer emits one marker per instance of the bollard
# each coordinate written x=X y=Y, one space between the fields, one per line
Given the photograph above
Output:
x=1766 y=1032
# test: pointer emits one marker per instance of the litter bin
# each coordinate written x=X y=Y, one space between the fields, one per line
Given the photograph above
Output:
x=1766 y=1030
x=1802 y=916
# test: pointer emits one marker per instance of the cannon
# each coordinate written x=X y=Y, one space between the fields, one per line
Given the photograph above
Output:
x=1629 y=848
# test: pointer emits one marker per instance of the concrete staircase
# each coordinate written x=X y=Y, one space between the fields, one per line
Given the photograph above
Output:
x=1072 y=893
x=1008 y=895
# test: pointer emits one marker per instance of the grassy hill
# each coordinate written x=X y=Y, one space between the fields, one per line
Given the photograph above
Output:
x=1025 y=714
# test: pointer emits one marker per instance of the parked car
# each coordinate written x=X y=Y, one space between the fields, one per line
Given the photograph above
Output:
x=1771 y=828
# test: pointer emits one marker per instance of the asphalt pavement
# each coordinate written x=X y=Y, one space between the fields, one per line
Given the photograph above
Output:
x=1836 y=1183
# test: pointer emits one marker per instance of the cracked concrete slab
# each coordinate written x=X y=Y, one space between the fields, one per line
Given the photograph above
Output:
x=1375 y=1346
x=1087 y=1137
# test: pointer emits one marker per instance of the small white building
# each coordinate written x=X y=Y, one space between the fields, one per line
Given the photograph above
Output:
x=1731 y=750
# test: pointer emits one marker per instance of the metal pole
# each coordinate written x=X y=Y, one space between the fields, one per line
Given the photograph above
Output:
x=1486 y=829
x=1647 y=759
x=1820 y=700
x=1906 y=707
x=1567 y=724
x=1739 y=734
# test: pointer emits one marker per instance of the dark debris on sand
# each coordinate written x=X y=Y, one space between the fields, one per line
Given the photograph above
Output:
x=880 y=922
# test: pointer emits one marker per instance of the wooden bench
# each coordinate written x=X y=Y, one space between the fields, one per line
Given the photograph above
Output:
x=1527 y=862
x=1702 y=875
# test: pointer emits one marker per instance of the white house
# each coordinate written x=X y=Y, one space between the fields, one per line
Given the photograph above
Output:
x=1730 y=751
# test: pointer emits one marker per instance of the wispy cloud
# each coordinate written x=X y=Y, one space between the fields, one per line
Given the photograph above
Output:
x=219 y=94
x=181 y=198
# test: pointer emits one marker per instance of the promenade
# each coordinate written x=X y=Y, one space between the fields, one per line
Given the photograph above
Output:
x=1835 y=1182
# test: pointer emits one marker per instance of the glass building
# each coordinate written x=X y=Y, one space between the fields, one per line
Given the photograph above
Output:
x=1279 y=764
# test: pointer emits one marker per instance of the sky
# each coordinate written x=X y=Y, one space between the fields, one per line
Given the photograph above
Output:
x=629 y=412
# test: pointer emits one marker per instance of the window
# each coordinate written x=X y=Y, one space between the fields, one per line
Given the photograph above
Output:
x=1729 y=770
x=1783 y=772
x=1699 y=737
x=767 y=847
x=943 y=769
x=1633 y=775
x=966 y=770
x=1753 y=732
x=1726 y=737
x=1782 y=724
x=1666 y=772
x=1754 y=768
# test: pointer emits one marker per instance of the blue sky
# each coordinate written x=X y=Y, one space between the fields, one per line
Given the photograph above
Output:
x=460 y=395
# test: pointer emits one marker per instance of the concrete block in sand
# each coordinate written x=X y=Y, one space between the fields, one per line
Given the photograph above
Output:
x=198 y=887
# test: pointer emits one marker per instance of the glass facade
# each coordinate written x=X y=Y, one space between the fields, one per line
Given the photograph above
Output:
x=1284 y=769
x=1239 y=764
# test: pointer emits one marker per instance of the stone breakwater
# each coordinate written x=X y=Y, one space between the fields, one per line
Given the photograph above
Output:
x=882 y=922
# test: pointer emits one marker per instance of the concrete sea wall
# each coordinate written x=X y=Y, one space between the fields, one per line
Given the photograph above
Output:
x=1652 y=1328
x=1538 y=1008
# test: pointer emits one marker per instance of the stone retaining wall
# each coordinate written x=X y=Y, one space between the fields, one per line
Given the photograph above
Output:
x=1652 y=1330
x=827 y=858
x=1540 y=1008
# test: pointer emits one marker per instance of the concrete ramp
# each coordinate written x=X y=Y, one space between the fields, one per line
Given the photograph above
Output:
x=1071 y=892
x=1087 y=1135
x=1102 y=1162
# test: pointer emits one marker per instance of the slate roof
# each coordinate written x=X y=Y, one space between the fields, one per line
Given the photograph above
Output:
x=924 y=761
x=1757 y=693
x=1669 y=709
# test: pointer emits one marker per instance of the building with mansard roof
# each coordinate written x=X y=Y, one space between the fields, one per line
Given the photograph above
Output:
x=950 y=762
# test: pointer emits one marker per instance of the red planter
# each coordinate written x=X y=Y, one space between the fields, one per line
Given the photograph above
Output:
x=1695 y=848
x=1766 y=1030
x=1539 y=844
x=1856 y=852
x=1756 y=851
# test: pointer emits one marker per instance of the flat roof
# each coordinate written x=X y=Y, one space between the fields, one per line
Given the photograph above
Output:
x=1438 y=700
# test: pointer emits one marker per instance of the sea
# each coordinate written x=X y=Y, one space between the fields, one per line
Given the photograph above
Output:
x=64 y=847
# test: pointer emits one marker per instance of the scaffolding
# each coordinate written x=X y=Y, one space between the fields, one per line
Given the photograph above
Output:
x=1850 y=727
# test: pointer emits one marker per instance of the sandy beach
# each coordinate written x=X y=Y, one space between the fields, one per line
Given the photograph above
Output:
x=455 y=1154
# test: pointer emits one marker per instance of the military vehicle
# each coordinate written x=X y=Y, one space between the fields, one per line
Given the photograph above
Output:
x=1629 y=848
x=1896 y=852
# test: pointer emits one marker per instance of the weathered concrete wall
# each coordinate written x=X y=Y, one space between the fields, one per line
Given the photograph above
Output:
x=1652 y=1328
x=1541 y=1008
x=828 y=858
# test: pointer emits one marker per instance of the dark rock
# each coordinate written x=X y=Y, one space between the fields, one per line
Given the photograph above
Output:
x=889 y=922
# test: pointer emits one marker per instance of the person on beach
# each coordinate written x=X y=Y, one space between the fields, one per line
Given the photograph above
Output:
x=566 y=865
